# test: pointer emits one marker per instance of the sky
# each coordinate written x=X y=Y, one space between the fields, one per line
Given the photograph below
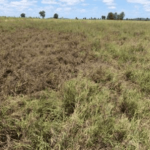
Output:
x=75 y=8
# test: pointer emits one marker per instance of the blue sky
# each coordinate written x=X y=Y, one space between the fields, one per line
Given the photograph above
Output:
x=75 y=8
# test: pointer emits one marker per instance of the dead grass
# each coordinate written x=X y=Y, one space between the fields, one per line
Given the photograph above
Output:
x=33 y=60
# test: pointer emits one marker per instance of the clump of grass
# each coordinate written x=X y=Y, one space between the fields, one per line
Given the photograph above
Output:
x=139 y=77
x=96 y=45
x=75 y=92
x=131 y=104
x=34 y=121
x=138 y=48
x=102 y=75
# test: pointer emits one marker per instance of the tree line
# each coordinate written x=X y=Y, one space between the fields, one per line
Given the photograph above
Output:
x=110 y=16
x=115 y=16
x=42 y=14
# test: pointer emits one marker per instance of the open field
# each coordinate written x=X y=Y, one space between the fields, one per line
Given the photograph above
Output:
x=74 y=85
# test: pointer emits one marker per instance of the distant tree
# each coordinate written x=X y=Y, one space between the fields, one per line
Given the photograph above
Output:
x=42 y=14
x=115 y=16
x=110 y=16
x=103 y=17
x=23 y=15
x=118 y=17
x=55 y=16
x=122 y=15
x=76 y=18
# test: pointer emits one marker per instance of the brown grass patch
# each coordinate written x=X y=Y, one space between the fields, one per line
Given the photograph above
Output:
x=32 y=60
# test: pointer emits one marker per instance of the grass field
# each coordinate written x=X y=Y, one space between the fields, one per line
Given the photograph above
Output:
x=74 y=84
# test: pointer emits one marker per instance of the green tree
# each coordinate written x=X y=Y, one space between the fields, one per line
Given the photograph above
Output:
x=55 y=16
x=42 y=13
x=23 y=15
x=122 y=15
x=118 y=17
x=103 y=17
x=115 y=16
x=110 y=16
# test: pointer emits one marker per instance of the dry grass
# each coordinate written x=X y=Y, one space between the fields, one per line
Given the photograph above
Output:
x=74 y=84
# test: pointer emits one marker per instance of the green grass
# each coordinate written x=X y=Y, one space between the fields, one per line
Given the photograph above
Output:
x=105 y=108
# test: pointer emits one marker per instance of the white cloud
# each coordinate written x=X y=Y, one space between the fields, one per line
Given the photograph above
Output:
x=62 y=2
x=2 y=1
x=65 y=9
x=49 y=2
x=17 y=5
x=84 y=4
x=58 y=9
x=71 y=2
x=23 y=3
x=82 y=10
x=15 y=8
x=147 y=8
x=145 y=3
x=110 y=4
x=112 y=7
